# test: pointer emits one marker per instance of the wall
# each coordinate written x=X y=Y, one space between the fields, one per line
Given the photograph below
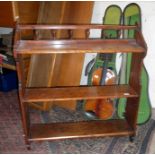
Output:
x=148 y=23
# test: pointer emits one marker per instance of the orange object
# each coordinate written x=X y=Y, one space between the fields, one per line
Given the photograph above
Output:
x=103 y=108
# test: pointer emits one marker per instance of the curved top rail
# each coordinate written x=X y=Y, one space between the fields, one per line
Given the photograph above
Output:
x=91 y=26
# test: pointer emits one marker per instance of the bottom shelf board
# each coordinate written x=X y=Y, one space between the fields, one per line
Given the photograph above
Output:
x=83 y=129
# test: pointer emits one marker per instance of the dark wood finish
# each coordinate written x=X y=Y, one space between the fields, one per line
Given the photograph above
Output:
x=132 y=111
x=23 y=106
x=79 y=130
x=140 y=40
x=77 y=93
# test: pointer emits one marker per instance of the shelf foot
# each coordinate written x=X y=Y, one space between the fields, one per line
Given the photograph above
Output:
x=28 y=146
x=131 y=139
x=27 y=142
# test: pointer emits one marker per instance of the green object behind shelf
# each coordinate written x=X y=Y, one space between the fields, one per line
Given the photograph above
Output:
x=132 y=16
x=112 y=16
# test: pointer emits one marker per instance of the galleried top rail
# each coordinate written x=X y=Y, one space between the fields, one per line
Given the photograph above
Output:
x=58 y=27
x=75 y=45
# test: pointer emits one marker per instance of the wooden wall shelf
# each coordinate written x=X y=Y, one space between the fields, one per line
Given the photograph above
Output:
x=118 y=127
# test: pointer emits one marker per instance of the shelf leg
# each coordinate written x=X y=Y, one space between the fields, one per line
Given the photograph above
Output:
x=28 y=146
x=27 y=143
x=131 y=139
x=132 y=105
x=23 y=106
x=25 y=122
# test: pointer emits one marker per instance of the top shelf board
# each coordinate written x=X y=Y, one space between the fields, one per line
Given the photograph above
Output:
x=79 y=46
x=70 y=45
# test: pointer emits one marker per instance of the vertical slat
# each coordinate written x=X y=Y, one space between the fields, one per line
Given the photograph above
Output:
x=53 y=34
x=70 y=34
x=87 y=33
x=35 y=35
x=17 y=35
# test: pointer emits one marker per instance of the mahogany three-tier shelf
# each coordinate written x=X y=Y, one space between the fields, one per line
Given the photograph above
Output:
x=93 y=128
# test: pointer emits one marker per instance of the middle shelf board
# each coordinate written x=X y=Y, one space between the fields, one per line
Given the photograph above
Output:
x=78 y=46
x=77 y=93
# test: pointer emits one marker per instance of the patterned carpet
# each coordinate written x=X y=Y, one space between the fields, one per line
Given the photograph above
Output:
x=11 y=139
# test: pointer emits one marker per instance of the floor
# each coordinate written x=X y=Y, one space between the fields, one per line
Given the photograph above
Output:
x=152 y=142
x=153 y=113
x=11 y=141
